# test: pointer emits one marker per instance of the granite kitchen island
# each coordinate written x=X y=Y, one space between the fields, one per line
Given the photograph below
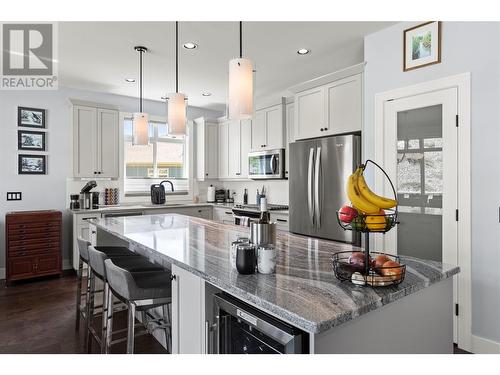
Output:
x=338 y=317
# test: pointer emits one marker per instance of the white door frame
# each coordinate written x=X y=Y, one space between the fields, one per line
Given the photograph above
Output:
x=462 y=83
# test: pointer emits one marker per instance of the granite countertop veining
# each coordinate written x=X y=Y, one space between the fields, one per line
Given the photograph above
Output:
x=304 y=290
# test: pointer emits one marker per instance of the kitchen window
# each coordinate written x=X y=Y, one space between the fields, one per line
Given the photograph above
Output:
x=166 y=157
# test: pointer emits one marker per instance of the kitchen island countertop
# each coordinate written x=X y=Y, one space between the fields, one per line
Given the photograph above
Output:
x=304 y=290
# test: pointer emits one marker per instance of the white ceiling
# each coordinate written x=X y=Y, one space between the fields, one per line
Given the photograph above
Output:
x=99 y=56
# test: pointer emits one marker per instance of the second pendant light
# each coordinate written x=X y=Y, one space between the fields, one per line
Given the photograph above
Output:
x=240 y=86
x=176 y=102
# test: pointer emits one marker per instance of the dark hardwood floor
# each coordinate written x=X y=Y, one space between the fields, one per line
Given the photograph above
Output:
x=38 y=316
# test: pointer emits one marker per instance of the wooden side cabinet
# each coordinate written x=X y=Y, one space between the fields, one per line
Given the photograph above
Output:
x=33 y=244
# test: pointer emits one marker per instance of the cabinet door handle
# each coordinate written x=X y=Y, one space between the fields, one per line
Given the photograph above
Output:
x=173 y=277
x=238 y=174
x=206 y=174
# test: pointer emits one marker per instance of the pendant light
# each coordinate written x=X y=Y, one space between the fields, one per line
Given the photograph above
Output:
x=240 y=85
x=140 y=125
x=176 y=101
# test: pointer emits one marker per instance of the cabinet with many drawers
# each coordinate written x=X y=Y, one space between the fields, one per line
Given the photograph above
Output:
x=33 y=244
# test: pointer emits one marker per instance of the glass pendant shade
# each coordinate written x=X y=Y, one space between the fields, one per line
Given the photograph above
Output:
x=176 y=114
x=140 y=130
x=240 y=89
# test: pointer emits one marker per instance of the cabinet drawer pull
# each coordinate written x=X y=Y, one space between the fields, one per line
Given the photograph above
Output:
x=89 y=218
x=282 y=220
x=229 y=213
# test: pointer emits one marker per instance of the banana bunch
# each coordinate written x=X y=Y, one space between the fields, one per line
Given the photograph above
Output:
x=362 y=198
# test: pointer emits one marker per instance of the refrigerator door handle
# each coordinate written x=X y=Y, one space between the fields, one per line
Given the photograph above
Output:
x=310 y=171
x=317 y=186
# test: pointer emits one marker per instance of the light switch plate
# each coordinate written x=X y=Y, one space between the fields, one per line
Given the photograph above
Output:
x=14 y=196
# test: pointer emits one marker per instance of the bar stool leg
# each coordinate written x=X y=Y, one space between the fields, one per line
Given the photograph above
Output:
x=130 y=330
x=78 y=294
x=109 y=324
x=90 y=311
x=87 y=298
x=105 y=308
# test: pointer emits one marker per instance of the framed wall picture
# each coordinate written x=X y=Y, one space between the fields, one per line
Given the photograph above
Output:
x=32 y=164
x=31 y=117
x=30 y=140
x=422 y=45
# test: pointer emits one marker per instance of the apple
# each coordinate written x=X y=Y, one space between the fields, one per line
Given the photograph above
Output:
x=392 y=269
x=380 y=260
x=357 y=260
x=347 y=214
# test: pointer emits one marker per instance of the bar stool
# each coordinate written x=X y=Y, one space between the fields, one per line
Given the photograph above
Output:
x=141 y=291
x=97 y=256
x=83 y=251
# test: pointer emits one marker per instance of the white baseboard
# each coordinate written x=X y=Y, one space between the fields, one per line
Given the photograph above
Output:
x=2 y=273
x=480 y=345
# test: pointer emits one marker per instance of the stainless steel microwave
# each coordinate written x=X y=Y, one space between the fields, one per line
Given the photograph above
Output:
x=267 y=164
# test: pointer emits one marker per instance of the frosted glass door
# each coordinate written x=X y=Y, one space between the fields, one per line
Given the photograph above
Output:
x=419 y=182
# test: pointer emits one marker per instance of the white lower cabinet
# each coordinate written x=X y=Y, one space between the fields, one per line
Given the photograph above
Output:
x=281 y=220
x=223 y=215
x=205 y=212
x=81 y=229
x=188 y=313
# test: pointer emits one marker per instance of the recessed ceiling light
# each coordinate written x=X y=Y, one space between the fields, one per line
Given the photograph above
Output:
x=190 y=45
x=206 y=94
x=303 y=51
x=130 y=80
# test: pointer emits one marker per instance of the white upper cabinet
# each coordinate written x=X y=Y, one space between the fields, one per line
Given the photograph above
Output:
x=344 y=105
x=332 y=108
x=224 y=149
x=234 y=144
x=310 y=113
x=246 y=145
x=290 y=133
x=207 y=140
x=108 y=143
x=234 y=149
x=95 y=142
x=268 y=130
x=259 y=130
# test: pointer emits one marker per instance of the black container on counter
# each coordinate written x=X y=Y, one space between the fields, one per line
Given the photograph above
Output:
x=246 y=258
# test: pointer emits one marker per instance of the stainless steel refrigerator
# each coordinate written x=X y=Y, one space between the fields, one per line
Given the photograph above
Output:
x=317 y=175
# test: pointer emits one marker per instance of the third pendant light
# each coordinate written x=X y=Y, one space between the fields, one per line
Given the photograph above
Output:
x=240 y=85
x=176 y=101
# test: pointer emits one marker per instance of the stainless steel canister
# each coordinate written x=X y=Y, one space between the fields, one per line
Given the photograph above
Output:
x=263 y=234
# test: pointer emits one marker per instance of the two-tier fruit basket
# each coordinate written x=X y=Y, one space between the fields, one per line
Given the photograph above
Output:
x=368 y=213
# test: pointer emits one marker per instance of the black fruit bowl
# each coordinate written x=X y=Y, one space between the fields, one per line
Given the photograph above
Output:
x=362 y=222
x=358 y=274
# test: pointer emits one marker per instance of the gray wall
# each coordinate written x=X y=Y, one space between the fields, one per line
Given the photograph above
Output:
x=49 y=191
x=466 y=47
